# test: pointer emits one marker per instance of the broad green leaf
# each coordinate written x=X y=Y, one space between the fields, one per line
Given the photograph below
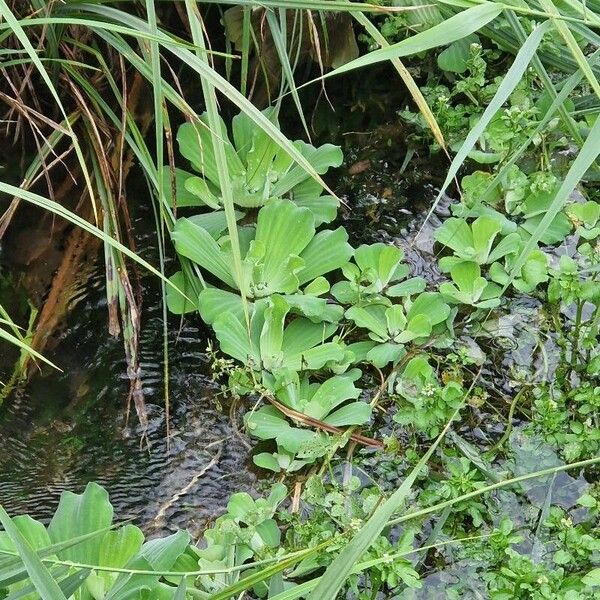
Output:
x=284 y=230
x=370 y=317
x=431 y=305
x=455 y=57
x=195 y=243
x=327 y=251
x=178 y=303
x=78 y=514
x=383 y=354
x=118 y=547
x=213 y=302
x=355 y=413
x=271 y=337
x=233 y=339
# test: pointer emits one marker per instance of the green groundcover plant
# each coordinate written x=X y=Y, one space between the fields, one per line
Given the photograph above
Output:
x=332 y=343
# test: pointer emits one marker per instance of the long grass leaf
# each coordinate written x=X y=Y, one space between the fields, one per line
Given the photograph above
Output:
x=221 y=160
x=15 y=27
x=453 y=29
x=509 y=83
x=572 y=45
x=38 y=573
x=22 y=345
x=279 y=40
x=585 y=158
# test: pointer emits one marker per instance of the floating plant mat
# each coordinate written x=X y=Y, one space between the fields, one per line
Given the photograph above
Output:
x=80 y=435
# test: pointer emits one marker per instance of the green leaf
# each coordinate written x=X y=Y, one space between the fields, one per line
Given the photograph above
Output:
x=183 y=197
x=383 y=354
x=414 y=285
x=370 y=317
x=271 y=337
x=176 y=302
x=355 y=413
x=119 y=546
x=431 y=305
x=38 y=573
x=592 y=578
x=267 y=461
x=455 y=57
x=213 y=302
x=195 y=243
x=285 y=230
x=233 y=339
x=78 y=514
x=327 y=251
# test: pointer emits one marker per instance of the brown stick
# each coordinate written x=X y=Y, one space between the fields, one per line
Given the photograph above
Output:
x=306 y=420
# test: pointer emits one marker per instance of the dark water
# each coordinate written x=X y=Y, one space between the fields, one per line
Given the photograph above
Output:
x=65 y=429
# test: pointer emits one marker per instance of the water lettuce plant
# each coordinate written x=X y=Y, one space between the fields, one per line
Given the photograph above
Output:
x=279 y=255
x=377 y=271
x=259 y=168
x=334 y=402
x=272 y=344
x=393 y=327
x=475 y=242
x=81 y=536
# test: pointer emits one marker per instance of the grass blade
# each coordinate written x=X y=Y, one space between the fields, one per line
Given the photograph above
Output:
x=38 y=573
x=509 y=83
x=221 y=160
x=453 y=29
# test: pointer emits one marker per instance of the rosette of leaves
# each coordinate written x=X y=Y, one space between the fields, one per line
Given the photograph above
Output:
x=245 y=531
x=469 y=287
x=423 y=402
x=123 y=547
x=479 y=242
x=272 y=342
x=280 y=254
x=526 y=199
x=377 y=270
x=392 y=327
x=585 y=216
x=533 y=271
x=259 y=169
x=332 y=402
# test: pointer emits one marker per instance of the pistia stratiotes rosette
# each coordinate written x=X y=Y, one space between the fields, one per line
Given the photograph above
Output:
x=333 y=402
x=260 y=170
x=280 y=254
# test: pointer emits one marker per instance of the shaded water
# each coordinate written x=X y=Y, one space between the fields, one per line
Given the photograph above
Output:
x=65 y=429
